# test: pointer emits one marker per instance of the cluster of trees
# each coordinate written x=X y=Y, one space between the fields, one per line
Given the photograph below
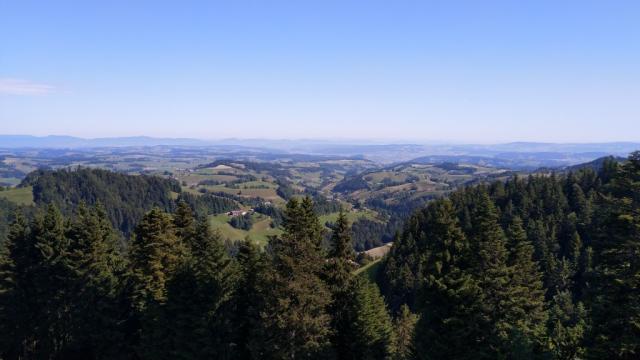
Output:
x=367 y=234
x=208 y=204
x=244 y=222
x=542 y=267
x=7 y=212
x=275 y=213
x=125 y=197
x=70 y=290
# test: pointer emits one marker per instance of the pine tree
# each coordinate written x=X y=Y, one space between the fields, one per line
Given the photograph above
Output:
x=155 y=253
x=184 y=222
x=527 y=314
x=295 y=323
x=616 y=293
x=567 y=327
x=98 y=267
x=192 y=323
x=248 y=298
x=372 y=334
x=450 y=299
x=16 y=324
x=40 y=313
x=401 y=274
x=338 y=276
x=493 y=274
x=404 y=327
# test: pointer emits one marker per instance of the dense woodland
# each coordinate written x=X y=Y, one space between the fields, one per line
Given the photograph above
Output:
x=125 y=198
x=543 y=267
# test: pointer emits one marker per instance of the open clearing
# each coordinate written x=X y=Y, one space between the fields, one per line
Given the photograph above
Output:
x=20 y=196
x=259 y=232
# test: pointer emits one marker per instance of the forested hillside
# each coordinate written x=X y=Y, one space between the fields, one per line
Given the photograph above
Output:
x=539 y=267
x=542 y=267
x=125 y=198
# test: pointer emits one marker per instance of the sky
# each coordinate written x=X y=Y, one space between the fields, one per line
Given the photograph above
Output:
x=459 y=71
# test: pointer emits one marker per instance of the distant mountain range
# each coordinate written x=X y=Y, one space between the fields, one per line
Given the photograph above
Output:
x=523 y=155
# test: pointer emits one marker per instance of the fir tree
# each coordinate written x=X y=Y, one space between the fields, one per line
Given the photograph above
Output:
x=294 y=321
x=248 y=298
x=493 y=274
x=16 y=324
x=404 y=326
x=567 y=327
x=155 y=253
x=184 y=223
x=98 y=267
x=449 y=304
x=192 y=323
x=616 y=292
x=527 y=314
x=372 y=334
x=338 y=276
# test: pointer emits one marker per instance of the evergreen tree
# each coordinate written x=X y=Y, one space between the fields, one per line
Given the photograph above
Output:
x=338 y=276
x=527 y=314
x=616 y=292
x=248 y=298
x=98 y=267
x=39 y=300
x=294 y=321
x=567 y=327
x=192 y=323
x=16 y=325
x=184 y=222
x=372 y=334
x=450 y=300
x=404 y=327
x=155 y=253
x=493 y=275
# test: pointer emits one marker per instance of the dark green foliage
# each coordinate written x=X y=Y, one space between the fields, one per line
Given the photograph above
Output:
x=156 y=251
x=276 y=214
x=543 y=267
x=371 y=333
x=367 y=234
x=62 y=296
x=285 y=190
x=351 y=184
x=450 y=302
x=550 y=261
x=125 y=198
x=404 y=326
x=323 y=206
x=208 y=204
x=567 y=327
x=244 y=222
x=7 y=212
x=193 y=321
x=294 y=321
x=248 y=299
x=339 y=277
x=616 y=290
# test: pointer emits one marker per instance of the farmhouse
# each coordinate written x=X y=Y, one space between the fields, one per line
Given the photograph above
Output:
x=237 y=213
x=234 y=213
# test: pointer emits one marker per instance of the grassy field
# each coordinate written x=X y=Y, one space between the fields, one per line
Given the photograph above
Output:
x=10 y=181
x=370 y=271
x=21 y=196
x=259 y=232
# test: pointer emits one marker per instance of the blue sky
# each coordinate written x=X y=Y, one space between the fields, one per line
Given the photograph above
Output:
x=463 y=71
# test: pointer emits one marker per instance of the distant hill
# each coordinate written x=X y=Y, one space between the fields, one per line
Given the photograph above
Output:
x=55 y=141
x=596 y=164
x=125 y=197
